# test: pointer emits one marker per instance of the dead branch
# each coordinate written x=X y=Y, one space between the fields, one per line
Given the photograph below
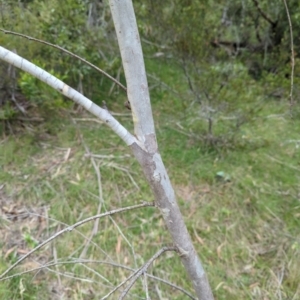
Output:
x=292 y=53
x=263 y=14
x=68 y=52
x=87 y=261
x=144 y=268
x=70 y=228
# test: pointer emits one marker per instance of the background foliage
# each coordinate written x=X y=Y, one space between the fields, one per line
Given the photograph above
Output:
x=219 y=78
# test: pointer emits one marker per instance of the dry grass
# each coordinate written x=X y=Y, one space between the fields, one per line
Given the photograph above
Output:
x=245 y=229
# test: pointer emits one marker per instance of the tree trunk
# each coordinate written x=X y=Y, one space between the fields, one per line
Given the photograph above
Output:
x=145 y=148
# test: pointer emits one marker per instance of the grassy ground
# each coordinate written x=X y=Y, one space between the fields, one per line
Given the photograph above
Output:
x=244 y=223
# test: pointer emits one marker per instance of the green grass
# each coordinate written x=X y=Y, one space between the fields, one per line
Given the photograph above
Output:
x=246 y=231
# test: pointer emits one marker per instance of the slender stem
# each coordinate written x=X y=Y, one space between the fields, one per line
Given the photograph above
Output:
x=70 y=228
x=68 y=52
x=264 y=15
x=144 y=269
x=292 y=53
x=88 y=261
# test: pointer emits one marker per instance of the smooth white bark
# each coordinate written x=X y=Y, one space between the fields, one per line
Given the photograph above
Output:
x=147 y=154
x=23 y=64
x=134 y=67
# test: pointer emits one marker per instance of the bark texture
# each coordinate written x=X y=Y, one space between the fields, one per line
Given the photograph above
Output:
x=23 y=64
x=146 y=150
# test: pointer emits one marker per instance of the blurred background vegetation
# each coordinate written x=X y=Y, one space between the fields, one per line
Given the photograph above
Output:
x=219 y=76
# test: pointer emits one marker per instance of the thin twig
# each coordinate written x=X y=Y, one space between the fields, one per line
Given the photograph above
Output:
x=68 y=52
x=101 y=201
x=189 y=80
x=282 y=163
x=96 y=273
x=113 y=84
x=292 y=54
x=86 y=261
x=158 y=292
x=146 y=286
x=125 y=239
x=70 y=228
x=109 y=156
x=125 y=170
x=75 y=230
x=55 y=260
x=74 y=277
x=134 y=276
x=160 y=82
x=263 y=13
x=118 y=286
x=144 y=269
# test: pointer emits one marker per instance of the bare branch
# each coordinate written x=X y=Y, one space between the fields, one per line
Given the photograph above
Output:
x=292 y=53
x=144 y=269
x=264 y=15
x=101 y=200
x=133 y=277
x=118 y=286
x=70 y=228
x=87 y=261
x=68 y=52
x=189 y=80
x=69 y=92
x=163 y=84
x=146 y=286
